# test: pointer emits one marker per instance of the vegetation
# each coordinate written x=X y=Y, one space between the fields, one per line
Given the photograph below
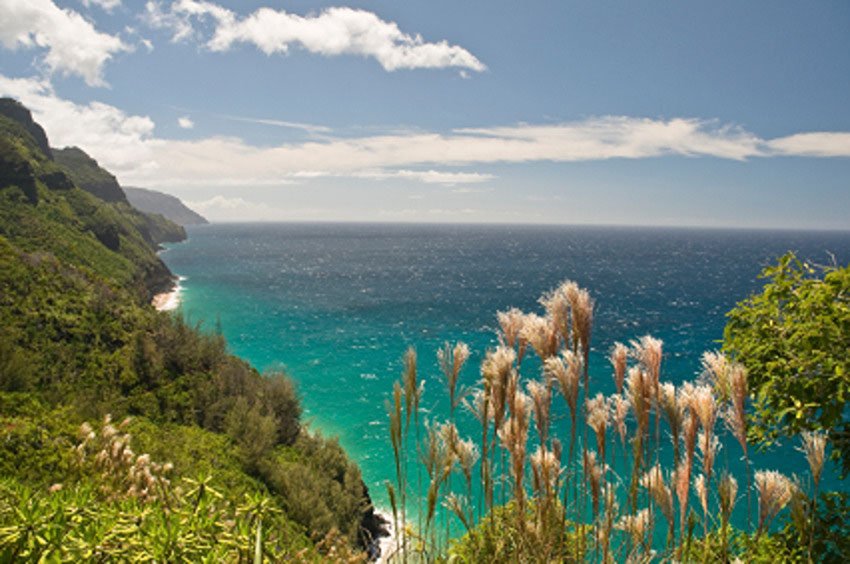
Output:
x=794 y=339
x=616 y=490
x=88 y=175
x=237 y=476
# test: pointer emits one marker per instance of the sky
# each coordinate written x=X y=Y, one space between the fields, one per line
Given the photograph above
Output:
x=717 y=114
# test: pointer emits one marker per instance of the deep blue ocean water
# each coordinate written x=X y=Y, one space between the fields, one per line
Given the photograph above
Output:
x=336 y=305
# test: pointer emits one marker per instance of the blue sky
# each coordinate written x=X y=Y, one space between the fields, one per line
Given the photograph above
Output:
x=649 y=113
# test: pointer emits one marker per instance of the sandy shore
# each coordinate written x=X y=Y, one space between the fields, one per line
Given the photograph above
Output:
x=169 y=301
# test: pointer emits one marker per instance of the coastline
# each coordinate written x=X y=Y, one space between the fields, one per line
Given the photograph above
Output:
x=169 y=301
x=386 y=544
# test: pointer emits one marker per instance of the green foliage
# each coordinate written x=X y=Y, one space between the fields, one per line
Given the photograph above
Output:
x=320 y=487
x=794 y=339
x=74 y=523
x=829 y=530
x=79 y=340
x=88 y=175
x=497 y=538
x=15 y=367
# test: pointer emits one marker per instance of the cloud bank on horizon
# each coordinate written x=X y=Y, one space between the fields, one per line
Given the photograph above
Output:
x=127 y=145
x=63 y=42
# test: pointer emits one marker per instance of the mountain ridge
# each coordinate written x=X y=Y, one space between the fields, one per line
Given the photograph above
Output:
x=166 y=205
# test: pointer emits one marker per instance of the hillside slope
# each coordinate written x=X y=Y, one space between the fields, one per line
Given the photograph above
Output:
x=166 y=205
x=79 y=341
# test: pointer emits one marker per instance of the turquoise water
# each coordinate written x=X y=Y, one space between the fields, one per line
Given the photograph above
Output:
x=336 y=305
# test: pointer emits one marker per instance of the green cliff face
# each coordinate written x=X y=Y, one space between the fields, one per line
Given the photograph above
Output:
x=88 y=175
x=79 y=340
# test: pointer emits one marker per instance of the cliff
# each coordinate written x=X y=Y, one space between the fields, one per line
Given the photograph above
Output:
x=166 y=205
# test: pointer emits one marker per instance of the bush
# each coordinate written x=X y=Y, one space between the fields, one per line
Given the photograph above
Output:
x=794 y=339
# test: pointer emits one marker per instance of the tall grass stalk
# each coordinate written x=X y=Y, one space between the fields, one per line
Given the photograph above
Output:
x=539 y=483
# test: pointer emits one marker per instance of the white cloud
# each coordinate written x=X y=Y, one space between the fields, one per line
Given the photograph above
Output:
x=332 y=32
x=73 y=44
x=127 y=145
x=185 y=122
x=814 y=144
x=107 y=5
x=119 y=141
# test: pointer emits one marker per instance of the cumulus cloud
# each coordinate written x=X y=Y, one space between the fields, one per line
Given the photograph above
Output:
x=185 y=122
x=332 y=32
x=121 y=142
x=73 y=44
x=107 y=5
x=127 y=145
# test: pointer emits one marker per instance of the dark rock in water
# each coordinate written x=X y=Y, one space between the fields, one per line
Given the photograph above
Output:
x=16 y=111
x=373 y=527
x=57 y=180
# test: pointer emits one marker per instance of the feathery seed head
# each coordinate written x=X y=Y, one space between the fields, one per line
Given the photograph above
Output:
x=557 y=307
x=727 y=491
x=412 y=392
x=635 y=525
x=467 y=455
x=709 y=444
x=649 y=352
x=545 y=470
x=108 y=431
x=85 y=430
x=582 y=308
x=717 y=372
x=705 y=406
x=496 y=370
x=598 y=414
x=594 y=472
x=653 y=481
x=682 y=484
x=451 y=361
x=814 y=447
x=477 y=405
x=541 y=398
x=639 y=391
x=774 y=491
x=511 y=323
x=566 y=371
x=702 y=492
x=542 y=334
x=738 y=382
x=621 y=410
x=619 y=357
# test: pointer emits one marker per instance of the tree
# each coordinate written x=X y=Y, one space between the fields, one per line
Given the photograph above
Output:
x=794 y=339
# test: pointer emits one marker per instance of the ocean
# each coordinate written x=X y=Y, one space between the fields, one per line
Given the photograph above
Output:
x=336 y=305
